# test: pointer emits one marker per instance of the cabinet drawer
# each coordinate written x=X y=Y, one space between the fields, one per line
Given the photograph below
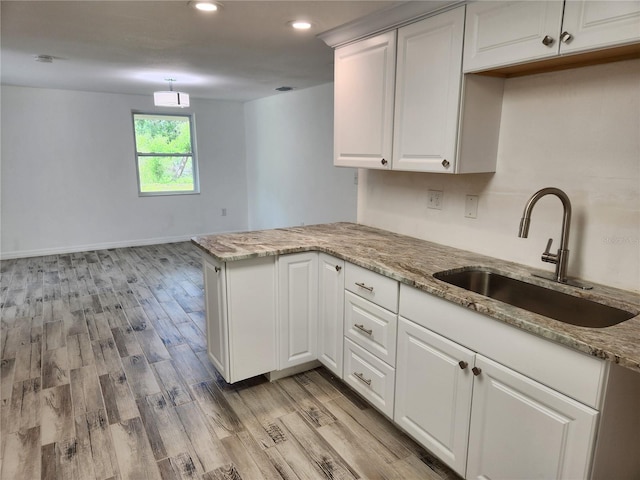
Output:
x=374 y=287
x=370 y=326
x=369 y=376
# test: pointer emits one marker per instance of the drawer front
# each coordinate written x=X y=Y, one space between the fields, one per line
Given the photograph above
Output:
x=370 y=326
x=369 y=376
x=374 y=287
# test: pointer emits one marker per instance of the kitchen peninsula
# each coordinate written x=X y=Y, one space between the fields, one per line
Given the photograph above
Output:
x=365 y=303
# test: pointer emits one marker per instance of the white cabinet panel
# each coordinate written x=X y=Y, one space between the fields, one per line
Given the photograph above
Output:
x=251 y=313
x=237 y=294
x=433 y=392
x=371 y=327
x=298 y=292
x=331 y=312
x=522 y=429
x=599 y=24
x=369 y=376
x=216 y=309
x=501 y=33
x=428 y=76
x=363 y=112
x=374 y=287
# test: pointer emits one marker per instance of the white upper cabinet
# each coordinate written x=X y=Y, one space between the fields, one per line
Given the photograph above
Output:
x=427 y=100
x=500 y=33
x=433 y=120
x=599 y=24
x=363 y=114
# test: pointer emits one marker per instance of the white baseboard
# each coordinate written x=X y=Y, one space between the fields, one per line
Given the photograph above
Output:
x=94 y=246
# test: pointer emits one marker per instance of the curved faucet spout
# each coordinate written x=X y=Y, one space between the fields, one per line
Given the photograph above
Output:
x=562 y=257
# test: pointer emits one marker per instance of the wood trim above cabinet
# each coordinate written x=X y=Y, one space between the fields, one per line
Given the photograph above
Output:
x=565 y=62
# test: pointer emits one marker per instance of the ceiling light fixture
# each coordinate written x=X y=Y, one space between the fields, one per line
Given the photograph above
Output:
x=301 y=25
x=170 y=98
x=205 y=6
x=43 y=58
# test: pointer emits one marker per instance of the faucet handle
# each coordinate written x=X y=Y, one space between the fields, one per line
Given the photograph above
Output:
x=547 y=256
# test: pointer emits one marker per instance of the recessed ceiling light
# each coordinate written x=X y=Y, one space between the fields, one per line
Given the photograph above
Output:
x=205 y=6
x=301 y=25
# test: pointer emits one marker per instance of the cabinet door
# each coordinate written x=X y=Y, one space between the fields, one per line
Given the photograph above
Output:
x=363 y=96
x=433 y=392
x=599 y=24
x=216 y=308
x=522 y=429
x=330 y=312
x=298 y=292
x=428 y=93
x=501 y=33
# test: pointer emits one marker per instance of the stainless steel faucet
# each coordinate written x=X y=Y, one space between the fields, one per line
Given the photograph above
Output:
x=561 y=258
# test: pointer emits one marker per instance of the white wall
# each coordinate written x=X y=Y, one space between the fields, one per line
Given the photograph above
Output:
x=578 y=130
x=69 y=179
x=291 y=178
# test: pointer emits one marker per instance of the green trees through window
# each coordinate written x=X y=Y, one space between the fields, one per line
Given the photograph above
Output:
x=164 y=154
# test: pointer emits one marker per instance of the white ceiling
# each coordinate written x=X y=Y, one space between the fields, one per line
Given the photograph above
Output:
x=242 y=52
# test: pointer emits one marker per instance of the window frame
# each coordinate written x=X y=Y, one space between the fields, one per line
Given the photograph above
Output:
x=138 y=155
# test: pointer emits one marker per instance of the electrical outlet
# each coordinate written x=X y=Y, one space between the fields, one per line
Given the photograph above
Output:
x=471 y=206
x=224 y=212
x=435 y=198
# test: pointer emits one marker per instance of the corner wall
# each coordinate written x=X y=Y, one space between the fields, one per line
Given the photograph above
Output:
x=578 y=130
x=69 y=179
x=290 y=174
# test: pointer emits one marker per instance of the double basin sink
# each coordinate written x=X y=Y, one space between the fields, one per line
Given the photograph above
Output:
x=535 y=298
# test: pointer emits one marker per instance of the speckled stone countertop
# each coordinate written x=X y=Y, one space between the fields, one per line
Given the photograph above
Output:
x=413 y=262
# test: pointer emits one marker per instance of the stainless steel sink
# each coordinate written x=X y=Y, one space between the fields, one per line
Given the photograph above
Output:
x=534 y=298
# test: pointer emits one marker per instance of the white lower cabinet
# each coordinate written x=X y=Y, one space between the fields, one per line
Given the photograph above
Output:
x=216 y=307
x=484 y=419
x=433 y=392
x=522 y=429
x=238 y=293
x=298 y=308
x=330 y=312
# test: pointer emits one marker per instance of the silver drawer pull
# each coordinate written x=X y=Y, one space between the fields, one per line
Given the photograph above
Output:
x=362 y=285
x=360 y=376
x=362 y=329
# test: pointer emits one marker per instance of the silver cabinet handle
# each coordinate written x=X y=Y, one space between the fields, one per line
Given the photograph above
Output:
x=383 y=161
x=547 y=41
x=338 y=268
x=362 y=329
x=360 y=376
x=445 y=163
x=463 y=364
x=217 y=269
x=566 y=37
x=362 y=285
x=476 y=371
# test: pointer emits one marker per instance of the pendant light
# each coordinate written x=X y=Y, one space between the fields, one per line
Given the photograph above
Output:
x=170 y=98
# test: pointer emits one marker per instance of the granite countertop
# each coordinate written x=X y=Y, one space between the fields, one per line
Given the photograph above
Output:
x=413 y=261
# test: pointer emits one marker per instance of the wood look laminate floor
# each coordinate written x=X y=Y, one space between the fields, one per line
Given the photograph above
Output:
x=104 y=375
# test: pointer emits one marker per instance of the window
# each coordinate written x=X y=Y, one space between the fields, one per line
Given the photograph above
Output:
x=165 y=160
